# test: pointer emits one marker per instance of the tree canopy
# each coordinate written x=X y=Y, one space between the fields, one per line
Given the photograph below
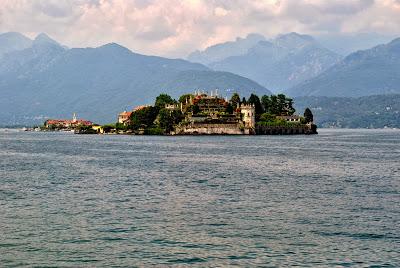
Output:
x=164 y=99
x=144 y=117
x=308 y=115
x=235 y=100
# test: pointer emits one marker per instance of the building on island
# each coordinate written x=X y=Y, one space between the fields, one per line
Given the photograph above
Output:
x=290 y=118
x=210 y=114
x=124 y=118
x=66 y=123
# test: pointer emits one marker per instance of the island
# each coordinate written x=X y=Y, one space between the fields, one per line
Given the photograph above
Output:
x=202 y=113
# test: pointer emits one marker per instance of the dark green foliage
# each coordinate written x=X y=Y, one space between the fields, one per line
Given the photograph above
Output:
x=229 y=109
x=244 y=101
x=153 y=131
x=267 y=117
x=167 y=119
x=164 y=99
x=194 y=109
x=277 y=104
x=108 y=128
x=120 y=126
x=266 y=103
x=143 y=118
x=82 y=129
x=235 y=100
x=254 y=99
x=308 y=115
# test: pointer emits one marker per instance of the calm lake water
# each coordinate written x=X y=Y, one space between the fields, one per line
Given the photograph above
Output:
x=76 y=200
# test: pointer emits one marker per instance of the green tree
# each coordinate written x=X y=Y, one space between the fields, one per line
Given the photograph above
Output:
x=254 y=99
x=308 y=115
x=289 y=106
x=281 y=104
x=229 y=109
x=273 y=107
x=164 y=99
x=235 y=100
x=267 y=117
x=143 y=118
x=168 y=119
x=266 y=103
x=195 y=109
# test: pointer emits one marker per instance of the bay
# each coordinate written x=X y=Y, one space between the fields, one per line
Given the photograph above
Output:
x=331 y=199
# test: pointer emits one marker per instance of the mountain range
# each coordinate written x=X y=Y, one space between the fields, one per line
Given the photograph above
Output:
x=368 y=72
x=277 y=64
x=377 y=111
x=42 y=79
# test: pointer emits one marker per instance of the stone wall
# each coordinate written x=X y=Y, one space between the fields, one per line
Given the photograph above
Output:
x=210 y=129
x=285 y=130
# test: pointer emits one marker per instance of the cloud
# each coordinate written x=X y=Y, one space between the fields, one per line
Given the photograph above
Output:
x=176 y=27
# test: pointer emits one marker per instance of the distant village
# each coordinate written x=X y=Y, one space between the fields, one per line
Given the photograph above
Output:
x=201 y=113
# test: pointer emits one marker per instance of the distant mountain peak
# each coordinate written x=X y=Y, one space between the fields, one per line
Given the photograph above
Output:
x=395 y=42
x=13 y=41
x=43 y=38
x=294 y=39
x=116 y=48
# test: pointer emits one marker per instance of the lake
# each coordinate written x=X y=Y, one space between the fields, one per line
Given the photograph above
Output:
x=331 y=199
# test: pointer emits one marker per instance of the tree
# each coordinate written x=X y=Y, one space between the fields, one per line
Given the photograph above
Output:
x=244 y=101
x=281 y=104
x=144 y=118
x=229 y=109
x=254 y=99
x=308 y=115
x=168 y=119
x=266 y=103
x=235 y=100
x=289 y=106
x=273 y=107
x=164 y=99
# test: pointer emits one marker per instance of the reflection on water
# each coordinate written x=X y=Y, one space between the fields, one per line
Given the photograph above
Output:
x=326 y=200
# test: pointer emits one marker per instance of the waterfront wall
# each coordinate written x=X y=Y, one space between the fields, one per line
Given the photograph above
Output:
x=211 y=129
x=286 y=130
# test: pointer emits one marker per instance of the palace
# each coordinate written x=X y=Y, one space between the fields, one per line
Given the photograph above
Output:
x=211 y=114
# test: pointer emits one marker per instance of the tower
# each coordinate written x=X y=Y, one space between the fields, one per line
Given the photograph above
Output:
x=74 y=119
x=248 y=115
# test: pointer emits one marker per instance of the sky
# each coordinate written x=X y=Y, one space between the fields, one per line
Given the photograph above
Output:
x=175 y=28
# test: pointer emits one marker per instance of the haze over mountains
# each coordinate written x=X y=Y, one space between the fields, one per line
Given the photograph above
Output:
x=279 y=63
x=44 y=79
x=368 y=72
x=40 y=78
x=300 y=66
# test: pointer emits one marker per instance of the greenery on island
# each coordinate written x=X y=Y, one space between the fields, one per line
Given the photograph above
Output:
x=157 y=119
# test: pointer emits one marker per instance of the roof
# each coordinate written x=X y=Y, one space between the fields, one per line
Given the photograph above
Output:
x=125 y=113
x=141 y=107
x=67 y=121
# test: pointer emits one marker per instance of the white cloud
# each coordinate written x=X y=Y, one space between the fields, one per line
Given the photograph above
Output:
x=176 y=27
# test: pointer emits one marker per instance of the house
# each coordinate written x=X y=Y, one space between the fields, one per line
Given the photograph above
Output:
x=125 y=118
